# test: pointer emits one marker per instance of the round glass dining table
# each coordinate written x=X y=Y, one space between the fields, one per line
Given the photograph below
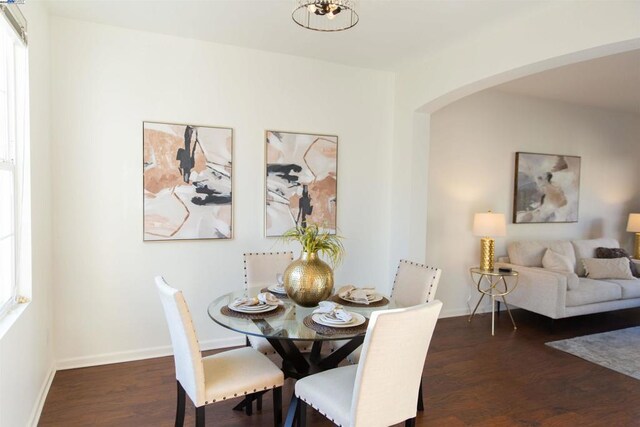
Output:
x=287 y=326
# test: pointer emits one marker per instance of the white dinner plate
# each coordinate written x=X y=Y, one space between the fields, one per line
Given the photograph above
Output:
x=358 y=319
x=277 y=290
x=261 y=308
x=371 y=298
x=333 y=321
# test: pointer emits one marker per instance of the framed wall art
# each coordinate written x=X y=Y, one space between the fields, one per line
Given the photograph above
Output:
x=547 y=188
x=187 y=182
x=301 y=181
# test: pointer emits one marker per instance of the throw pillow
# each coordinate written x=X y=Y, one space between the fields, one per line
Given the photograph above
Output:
x=557 y=262
x=608 y=253
x=614 y=268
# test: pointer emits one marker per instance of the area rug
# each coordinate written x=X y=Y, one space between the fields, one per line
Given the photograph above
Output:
x=618 y=350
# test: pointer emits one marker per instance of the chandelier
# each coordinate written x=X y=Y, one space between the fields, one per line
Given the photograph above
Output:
x=325 y=15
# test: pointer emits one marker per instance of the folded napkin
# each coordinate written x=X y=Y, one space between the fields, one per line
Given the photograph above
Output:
x=333 y=311
x=358 y=295
x=262 y=298
x=280 y=280
x=269 y=298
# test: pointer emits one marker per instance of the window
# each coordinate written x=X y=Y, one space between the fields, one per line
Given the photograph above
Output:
x=14 y=166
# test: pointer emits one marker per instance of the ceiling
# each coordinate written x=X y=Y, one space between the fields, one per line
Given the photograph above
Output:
x=390 y=32
x=612 y=82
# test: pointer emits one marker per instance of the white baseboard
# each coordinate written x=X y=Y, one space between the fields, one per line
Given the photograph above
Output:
x=42 y=397
x=141 y=354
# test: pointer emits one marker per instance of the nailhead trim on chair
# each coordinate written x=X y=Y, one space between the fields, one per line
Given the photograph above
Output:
x=260 y=253
x=322 y=413
x=434 y=269
x=236 y=395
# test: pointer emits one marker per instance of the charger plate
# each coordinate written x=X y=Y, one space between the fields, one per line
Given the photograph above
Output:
x=328 y=330
x=254 y=316
x=335 y=298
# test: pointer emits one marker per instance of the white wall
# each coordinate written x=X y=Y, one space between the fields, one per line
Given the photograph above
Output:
x=471 y=169
x=107 y=81
x=26 y=351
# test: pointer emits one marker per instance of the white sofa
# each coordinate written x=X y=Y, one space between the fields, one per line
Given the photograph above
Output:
x=558 y=295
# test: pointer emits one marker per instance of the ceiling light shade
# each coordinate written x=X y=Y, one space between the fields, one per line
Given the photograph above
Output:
x=325 y=15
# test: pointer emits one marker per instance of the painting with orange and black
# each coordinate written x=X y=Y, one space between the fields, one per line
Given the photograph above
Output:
x=301 y=182
x=187 y=182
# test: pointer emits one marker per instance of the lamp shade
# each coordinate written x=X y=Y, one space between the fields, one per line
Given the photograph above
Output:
x=489 y=224
x=633 y=225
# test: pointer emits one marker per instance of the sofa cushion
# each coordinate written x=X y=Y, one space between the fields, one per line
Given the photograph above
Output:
x=591 y=291
x=614 y=268
x=530 y=253
x=630 y=288
x=587 y=249
x=618 y=253
x=557 y=262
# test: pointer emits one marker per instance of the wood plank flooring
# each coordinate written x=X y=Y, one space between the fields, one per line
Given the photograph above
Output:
x=470 y=377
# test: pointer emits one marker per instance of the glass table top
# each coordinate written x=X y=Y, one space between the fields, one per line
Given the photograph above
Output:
x=287 y=325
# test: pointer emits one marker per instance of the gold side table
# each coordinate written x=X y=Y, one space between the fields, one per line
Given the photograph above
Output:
x=494 y=284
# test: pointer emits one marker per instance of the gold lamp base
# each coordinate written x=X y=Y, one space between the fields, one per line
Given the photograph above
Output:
x=636 y=254
x=487 y=253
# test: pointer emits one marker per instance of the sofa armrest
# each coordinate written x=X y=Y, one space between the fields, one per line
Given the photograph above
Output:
x=539 y=290
x=636 y=261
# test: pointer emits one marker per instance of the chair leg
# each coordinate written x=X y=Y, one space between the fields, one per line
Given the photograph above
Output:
x=411 y=422
x=180 y=405
x=302 y=413
x=259 y=403
x=292 y=412
x=200 y=416
x=277 y=407
x=248 y=404
x=420 y=399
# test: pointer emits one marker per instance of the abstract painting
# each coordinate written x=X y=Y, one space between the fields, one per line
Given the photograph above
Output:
x=301 y=181
x=547 y=188
x=187 y=182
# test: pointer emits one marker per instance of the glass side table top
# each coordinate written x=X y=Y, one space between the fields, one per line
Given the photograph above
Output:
x=494 y=272
x=288 y=325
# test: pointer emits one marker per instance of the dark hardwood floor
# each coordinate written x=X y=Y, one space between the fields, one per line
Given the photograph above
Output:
x=470 y=377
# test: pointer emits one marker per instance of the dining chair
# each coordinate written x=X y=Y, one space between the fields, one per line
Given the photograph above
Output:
x=260 y=269
x=215 y=378
x=414 y=284
x=383 y=388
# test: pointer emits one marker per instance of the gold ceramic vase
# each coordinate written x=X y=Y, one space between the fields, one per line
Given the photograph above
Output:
x=308 y=280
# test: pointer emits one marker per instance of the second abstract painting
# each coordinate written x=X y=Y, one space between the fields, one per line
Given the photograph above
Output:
x=301 y=181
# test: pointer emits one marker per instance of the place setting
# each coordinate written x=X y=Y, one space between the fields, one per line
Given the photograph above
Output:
x=277 y=289
x=332 y=318
x=352 y=296
x=265 y=304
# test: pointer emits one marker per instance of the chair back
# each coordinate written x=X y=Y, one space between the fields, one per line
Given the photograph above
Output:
x=415 y=283
x=391 y=364
x=186 y=350
x=260 y=269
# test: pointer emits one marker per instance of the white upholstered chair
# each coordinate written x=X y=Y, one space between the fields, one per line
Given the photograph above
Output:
x=414 y=284
x=383 y=388
x=216 y=378
x=260 y=269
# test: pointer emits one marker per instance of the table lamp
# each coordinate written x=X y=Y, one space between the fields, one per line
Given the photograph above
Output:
x=633 y=226
x=488 y=225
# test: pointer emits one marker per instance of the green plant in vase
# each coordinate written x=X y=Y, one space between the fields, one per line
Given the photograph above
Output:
x=309 y=279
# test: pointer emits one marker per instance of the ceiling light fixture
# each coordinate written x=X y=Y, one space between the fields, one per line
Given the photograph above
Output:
x=325 y=15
